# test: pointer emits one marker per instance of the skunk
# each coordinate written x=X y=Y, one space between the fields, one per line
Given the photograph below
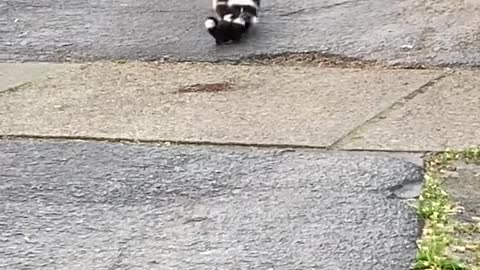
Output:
x=235 y=17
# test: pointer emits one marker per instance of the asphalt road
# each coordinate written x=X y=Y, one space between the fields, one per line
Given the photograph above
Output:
x=77 y=205
x=412 y=31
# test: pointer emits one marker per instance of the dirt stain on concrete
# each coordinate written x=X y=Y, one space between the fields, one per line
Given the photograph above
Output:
x=206 y=87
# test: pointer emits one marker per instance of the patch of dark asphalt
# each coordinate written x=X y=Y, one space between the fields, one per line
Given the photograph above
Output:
x=463 y=185
x=410 y=33
x=461 y=181
x=93 y=205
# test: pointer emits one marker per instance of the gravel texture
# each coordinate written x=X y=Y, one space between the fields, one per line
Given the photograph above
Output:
x=431 y=32
x=80 y=205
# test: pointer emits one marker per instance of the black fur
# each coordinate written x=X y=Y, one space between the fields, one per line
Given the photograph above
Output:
x=238 y=24
x=225 y=31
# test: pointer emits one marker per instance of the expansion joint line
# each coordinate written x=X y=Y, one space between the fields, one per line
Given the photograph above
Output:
x=384 y=113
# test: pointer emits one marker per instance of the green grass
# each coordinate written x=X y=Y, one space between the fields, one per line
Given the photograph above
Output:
x=436 y=208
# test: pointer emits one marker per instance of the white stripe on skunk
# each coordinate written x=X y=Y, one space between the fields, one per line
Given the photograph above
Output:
x=250 y=3
x=210 y=23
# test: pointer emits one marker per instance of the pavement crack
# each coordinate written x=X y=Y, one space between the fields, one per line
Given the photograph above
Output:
x=15 y=88
x=301 y=10
x=280 y=148
x=422 y=89
x=384 y=113
x=323 y=58
x=287 y=147
x=195 y=220
x=173 y=11
x=293 y=12
x=340 y=4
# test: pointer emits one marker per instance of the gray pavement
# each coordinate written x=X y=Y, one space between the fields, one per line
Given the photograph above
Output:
x=94 y=205
x=432 y=32
x=76 y=205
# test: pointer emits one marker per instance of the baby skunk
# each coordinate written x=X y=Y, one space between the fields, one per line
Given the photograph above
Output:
x=225 y=30
x=235 y=18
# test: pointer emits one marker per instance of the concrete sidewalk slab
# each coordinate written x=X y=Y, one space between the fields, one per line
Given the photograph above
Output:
x=15 y=74
x=446 y=115
x=265 y=105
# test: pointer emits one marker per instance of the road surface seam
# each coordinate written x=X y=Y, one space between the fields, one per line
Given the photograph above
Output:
x=15 y=88
x=284 y=147
x=321 y=59
x=301 y=10
x=383 y=114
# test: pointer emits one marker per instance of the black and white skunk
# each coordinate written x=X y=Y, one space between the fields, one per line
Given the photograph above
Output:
x=234 y=18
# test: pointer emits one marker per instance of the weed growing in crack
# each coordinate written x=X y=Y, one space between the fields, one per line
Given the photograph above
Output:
x=437 y=209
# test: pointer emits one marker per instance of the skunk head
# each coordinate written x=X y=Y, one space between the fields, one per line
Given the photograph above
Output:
x=219 y=29
x=229 y=28
x=211 y=23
